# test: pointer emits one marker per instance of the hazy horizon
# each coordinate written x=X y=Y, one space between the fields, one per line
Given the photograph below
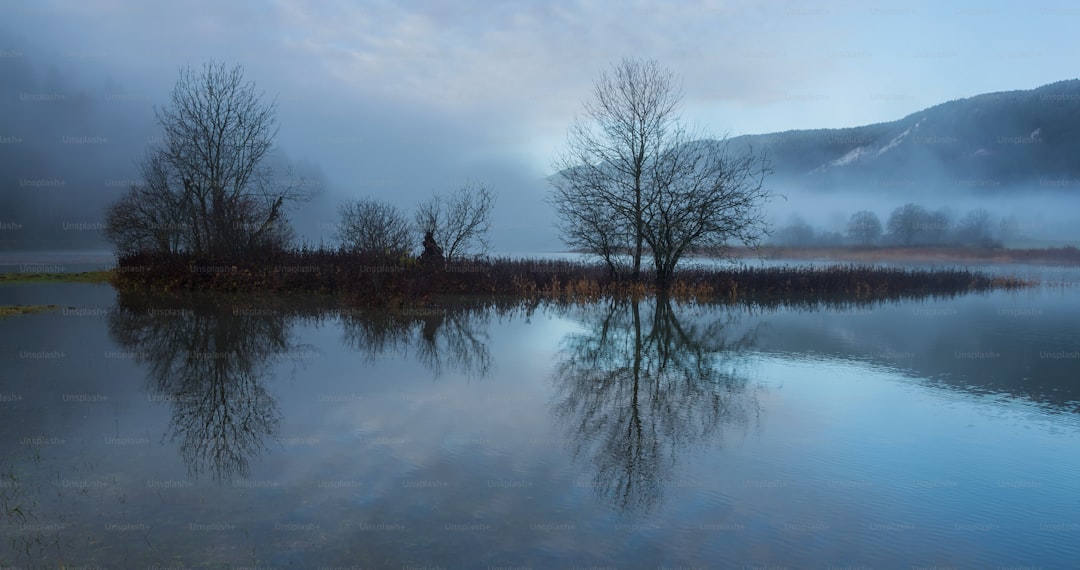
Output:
x=397 y=101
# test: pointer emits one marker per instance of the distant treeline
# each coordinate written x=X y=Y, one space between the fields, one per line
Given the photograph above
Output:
x=1067 y=255
x=908 y=225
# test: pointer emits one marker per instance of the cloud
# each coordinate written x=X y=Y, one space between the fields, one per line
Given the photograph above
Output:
x=403 y=97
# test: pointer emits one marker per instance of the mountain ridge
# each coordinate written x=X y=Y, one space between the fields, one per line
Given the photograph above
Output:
x=987 y=141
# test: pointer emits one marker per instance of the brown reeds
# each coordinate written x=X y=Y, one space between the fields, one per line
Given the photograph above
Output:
x=365 y=279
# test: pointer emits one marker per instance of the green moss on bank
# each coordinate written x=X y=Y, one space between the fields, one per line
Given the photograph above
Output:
x=14 y=310
x=81 y=277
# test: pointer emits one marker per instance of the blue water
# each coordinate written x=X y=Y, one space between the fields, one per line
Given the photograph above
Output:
x=202 y=432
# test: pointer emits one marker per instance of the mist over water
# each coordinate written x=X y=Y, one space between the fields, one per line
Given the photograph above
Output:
x=1029 y=216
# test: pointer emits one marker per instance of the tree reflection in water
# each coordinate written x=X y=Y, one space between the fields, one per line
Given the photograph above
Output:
x=208 y=358
x=638 y=385
x=453 y=338
x=207 y=355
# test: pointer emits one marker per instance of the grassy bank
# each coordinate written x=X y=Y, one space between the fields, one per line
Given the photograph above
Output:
x=14 y=310
x=835 y=285
x=374 y=280
x=83 y=277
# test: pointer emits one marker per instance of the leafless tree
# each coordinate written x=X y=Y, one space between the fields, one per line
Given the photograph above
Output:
x=373 y=226
x=864 y=227
x=609 y=152
x=906 y=222
x=632 y=180
x=209 y=188
x=976 y=229
x=459 y=223
x=704 y=196
x=585 y=221
x=149 y=217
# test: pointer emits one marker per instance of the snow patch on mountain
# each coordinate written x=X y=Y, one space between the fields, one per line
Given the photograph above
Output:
x=894 y=142
x=852 y=156
x=867 y=151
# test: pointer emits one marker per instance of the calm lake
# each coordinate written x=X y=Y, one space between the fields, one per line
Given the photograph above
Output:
x=206 y=432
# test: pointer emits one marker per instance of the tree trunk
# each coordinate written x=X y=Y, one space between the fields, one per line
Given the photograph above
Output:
x=664 y=273
x=637 y=253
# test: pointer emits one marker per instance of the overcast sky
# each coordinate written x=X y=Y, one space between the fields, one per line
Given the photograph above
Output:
x=399 y=99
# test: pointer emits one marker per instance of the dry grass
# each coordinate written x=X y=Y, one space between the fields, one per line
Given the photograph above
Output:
x=373 y=280
x=83 y=277
x=15 y=310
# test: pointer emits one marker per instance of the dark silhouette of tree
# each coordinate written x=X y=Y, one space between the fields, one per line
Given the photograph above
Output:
x=639 y=385
x=460 y=222
x=369 y=225
x=210 y=188
x=632 y=180
x=706 y=197
x=150 y=217
x=606 y=164
x=432 y=256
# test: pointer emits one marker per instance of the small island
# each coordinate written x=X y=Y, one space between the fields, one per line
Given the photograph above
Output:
x=216 y=221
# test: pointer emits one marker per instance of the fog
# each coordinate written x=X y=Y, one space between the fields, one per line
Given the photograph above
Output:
x=1033 y=216
x=74 y=126
x=398 y=102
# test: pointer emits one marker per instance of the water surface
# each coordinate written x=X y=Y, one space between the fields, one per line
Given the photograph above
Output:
x=220 y=432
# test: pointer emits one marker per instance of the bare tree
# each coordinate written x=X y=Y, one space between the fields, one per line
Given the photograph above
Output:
x=585 y=222
x=460 y=223
x=609 y=154
x=632 y=180
x=864 y=227
x=211 y=178
x=937 y=226
x=976 y=228
x=149 y=217
x=906 y=224
x=373 y=226
x=703 y=197
x=796 y=233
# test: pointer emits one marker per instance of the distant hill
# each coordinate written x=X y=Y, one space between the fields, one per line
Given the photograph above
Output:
x=986 y=142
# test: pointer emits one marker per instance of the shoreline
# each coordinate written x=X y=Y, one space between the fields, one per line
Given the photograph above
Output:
x=373 y=281
x=101 y=276
x=19 y=310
